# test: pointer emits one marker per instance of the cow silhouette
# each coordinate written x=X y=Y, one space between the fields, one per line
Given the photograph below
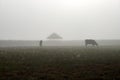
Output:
x=90 y=41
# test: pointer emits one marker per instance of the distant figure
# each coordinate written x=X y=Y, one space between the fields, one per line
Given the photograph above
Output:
x=41 y=43
x=91 y=41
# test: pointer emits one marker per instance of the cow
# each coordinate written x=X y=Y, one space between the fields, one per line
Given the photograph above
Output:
x=91 y=41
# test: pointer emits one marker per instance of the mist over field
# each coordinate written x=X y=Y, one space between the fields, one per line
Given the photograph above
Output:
x=59 y=39
x=35 y=43
x=72 y=19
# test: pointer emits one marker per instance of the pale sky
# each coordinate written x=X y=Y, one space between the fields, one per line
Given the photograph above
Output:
x=72 y=19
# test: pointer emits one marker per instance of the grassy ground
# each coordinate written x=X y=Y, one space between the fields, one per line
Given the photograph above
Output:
x=60 y=63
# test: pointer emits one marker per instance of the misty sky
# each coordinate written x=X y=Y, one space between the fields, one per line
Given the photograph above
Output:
x=72 y=19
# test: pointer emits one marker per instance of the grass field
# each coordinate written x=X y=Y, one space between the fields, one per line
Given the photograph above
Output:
x=60 y=63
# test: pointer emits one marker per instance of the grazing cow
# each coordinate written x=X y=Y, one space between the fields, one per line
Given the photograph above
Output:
x=91 y=41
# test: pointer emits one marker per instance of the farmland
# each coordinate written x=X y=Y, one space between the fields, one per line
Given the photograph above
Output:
x=60 y=63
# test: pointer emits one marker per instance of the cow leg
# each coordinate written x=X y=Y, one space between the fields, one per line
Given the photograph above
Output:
x=93 y=45
x=97 y=46
x=85 y=45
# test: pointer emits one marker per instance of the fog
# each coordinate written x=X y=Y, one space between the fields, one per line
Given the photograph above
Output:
x=72 y=19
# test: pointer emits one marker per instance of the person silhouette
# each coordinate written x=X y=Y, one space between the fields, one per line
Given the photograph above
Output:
x=41 y=43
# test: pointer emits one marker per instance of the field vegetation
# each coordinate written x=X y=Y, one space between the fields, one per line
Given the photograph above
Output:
x=60 y=63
